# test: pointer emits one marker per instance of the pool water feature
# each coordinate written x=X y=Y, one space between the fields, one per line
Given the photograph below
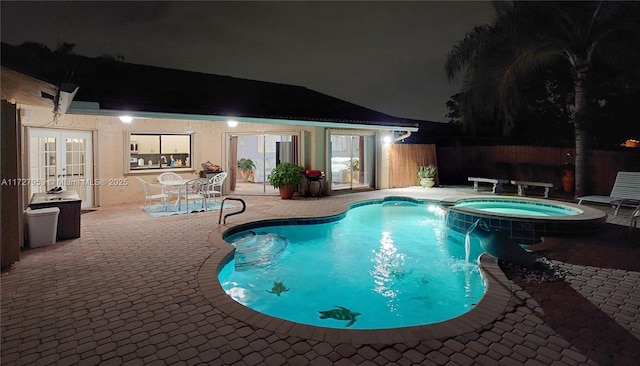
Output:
x=380 y=265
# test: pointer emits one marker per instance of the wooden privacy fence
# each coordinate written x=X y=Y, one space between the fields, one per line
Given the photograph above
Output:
x=404 y=160
x=533 y=163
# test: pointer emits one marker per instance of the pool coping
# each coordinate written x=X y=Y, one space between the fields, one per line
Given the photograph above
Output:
x=490 y=307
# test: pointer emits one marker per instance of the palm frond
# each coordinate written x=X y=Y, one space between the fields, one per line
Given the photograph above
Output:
x=500 y=59
x=527 y=62
x=465 y=51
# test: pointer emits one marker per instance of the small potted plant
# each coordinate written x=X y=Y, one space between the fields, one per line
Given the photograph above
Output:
x=427 y=174
x=354 y=168
x=285 y=176
x=246 y=167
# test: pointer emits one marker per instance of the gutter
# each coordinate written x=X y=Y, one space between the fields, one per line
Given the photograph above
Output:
x=93 y=108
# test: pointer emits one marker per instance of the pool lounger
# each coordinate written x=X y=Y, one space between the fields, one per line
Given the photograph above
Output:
x=625 y=192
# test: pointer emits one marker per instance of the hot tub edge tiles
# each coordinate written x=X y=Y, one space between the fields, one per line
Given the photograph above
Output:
x=525 y=230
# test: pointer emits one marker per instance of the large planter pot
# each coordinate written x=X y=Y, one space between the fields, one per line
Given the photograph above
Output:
x=245 y=174
x=355 y=176
x=567 y=181
x=427 y=182
x=286 y=192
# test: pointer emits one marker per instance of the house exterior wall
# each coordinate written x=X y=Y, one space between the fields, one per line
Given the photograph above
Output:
x=209 y=143
x=382 y=163
x=11 y=205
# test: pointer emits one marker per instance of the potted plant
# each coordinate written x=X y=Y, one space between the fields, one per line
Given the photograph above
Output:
x=285 y=176
x=246 y=166
x=427 y=173
x=568 y=178
x=354 y=168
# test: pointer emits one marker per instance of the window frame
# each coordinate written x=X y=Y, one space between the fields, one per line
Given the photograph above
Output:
x=131 y=167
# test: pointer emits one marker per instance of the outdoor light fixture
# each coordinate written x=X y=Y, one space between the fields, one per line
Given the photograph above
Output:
x=386 y=139
x=232 y=123
x=126 y=119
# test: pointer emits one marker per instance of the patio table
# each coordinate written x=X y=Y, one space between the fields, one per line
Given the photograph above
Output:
x=181 y=184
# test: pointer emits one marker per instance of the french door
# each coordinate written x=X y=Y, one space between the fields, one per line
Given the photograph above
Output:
x=59 y=158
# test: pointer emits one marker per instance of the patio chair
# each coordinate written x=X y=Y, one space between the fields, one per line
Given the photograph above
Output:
x=170 y=176
x=214 y=186
x=625 y=192
x=633 y=223
x=149 y=196
x=193 y=192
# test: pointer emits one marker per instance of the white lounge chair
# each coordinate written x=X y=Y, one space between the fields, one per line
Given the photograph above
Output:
x=633 y=223
x=625 y=192
x=635 y=216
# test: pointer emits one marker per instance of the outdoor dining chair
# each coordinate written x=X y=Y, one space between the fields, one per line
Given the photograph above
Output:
x=194 y=192
x=214 y=186
x=170 y=176
x=149 y=196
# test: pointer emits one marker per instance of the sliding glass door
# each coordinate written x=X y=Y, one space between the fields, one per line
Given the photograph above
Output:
x=352 y=161
x=265 y=151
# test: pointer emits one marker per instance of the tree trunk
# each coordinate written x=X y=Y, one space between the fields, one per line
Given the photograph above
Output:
x=581 y=128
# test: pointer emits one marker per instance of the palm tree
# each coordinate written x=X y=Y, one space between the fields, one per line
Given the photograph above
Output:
x=527 y=37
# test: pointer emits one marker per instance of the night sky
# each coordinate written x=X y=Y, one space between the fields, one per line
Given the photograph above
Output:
x=387 y=56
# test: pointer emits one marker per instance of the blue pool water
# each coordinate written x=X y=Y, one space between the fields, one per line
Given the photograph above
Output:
x=394 y=263
x=517 y=208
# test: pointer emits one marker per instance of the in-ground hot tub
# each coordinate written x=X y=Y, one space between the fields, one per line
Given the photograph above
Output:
x=526 y=219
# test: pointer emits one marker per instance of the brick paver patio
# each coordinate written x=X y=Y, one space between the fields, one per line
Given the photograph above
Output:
x=128 y=292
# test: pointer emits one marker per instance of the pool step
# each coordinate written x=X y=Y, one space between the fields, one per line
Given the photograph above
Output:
x=258 y=249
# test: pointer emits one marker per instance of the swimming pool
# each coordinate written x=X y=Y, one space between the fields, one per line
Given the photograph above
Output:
x=382 y=264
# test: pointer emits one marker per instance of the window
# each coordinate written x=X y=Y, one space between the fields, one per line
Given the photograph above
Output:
x=159 y=151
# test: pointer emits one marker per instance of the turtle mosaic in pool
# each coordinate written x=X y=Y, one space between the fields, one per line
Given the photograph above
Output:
x=382 y=264
x=278 y=288
x=341 y=313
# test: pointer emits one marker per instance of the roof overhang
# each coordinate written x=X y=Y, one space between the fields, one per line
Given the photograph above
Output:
x=93 y=109
x=19 y=88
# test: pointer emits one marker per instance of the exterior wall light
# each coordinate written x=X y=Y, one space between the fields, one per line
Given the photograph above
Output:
x=232 y=123
x=386 y=139
x=126 y=119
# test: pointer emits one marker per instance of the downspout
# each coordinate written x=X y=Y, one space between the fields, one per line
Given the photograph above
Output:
x=402 y=137
x=62 y=100
x=64 y=96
